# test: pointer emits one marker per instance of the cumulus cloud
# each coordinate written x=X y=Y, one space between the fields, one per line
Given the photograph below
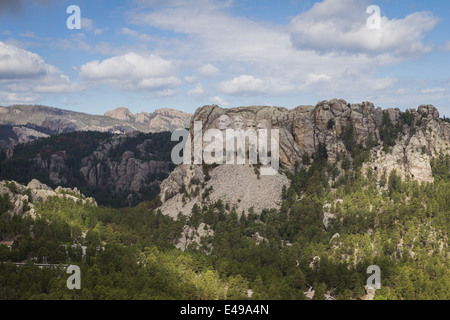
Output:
x=220 y=101
x=16 y=63
x=260 y=57
x=213 y=31
x=340 y=25
x=132 y=72
x=325 y=51
x=24 y=75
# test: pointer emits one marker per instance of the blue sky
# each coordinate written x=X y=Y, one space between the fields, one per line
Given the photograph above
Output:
x=151 y=54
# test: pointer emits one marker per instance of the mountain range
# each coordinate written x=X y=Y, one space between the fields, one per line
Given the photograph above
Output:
x=22 y=123
x=357 y=187
x=349 y=135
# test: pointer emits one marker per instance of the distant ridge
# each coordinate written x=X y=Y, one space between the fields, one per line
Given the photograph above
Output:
x=27 y=122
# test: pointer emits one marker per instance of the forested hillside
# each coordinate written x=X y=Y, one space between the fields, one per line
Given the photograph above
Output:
x=131 y=167
x=399 y=225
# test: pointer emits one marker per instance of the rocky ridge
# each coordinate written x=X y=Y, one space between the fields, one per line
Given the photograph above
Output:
x=127 y=174
x=118 y=170
x=47 y=120
x=23 y=197
x=302 y=130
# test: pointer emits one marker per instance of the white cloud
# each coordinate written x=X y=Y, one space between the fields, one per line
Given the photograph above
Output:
x=433 y=90
x=317 y=78
x=166 y=93
x=383 y=84
x=134 y=34
x=220 y=101
x=249 y=85
x=208 y=71
x=24 y=75
x=132 y=72
x=213 y=31
x=259 y=58
x=198 y=90
x=89 y=25
x=128 y=32
x=190 y=79
x=78 y=41
x=16 y=63
x=17 y=98
x=335 y=25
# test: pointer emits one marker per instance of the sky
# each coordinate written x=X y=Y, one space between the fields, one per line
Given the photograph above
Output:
x=150 y=54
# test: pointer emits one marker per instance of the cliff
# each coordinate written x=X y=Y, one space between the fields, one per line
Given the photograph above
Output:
x=355 y=134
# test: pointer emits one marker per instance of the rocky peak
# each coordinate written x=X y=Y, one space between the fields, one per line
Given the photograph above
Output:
x=170 y=113
x=24 y=197
x=51 y=121
x=429 y=110
x=121 y=113
x=340 y=126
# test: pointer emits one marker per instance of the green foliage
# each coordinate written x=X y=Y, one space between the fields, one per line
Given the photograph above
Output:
x=348 y=139
x=407 y=117
x=330 y=124
x=277 y=254
x=388 y=134
x=446 y=119
x=74 y=147
x=441 y=167
x=5 y=203
x=359 y=153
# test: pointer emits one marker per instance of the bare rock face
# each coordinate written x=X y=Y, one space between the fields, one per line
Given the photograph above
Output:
x=369 y=293
x=301 y=130
x=25 y=135
x=193 y=236
x=161 y=120
x=120 y=114
x=413 y=152
x=23 y=197
x=236 y=185
x=10 y=136
x=125 y=174
x=47 y=120
x=55 y=166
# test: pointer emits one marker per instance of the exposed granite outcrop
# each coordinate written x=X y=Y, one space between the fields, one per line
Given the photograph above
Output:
x=302 y=129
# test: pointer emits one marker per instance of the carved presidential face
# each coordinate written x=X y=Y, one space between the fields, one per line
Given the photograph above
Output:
x=251 y=124
x=262 y=124
x=238 y=123
x=224 y=122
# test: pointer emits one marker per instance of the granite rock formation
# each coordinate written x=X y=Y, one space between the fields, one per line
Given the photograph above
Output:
x=302 y=130
x=47 y=120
